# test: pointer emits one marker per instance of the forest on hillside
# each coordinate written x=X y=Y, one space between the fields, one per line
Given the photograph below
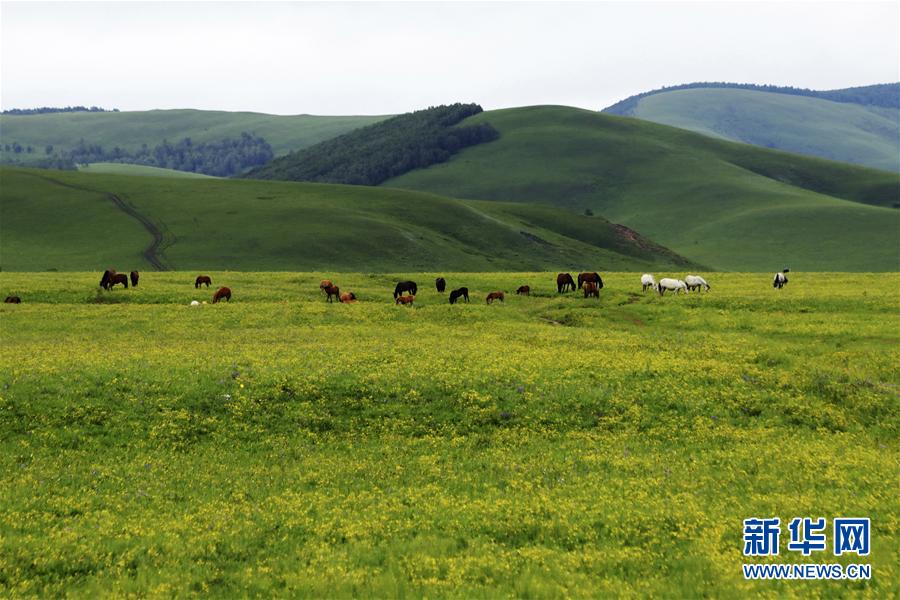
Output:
x=884 y=94
x=373 y=154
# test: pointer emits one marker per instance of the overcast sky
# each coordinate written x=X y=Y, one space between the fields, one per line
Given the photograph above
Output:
x=379 y=58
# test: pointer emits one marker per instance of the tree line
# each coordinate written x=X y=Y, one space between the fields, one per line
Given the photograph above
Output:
x=373 y=154
x=224 y=158
x=55 y=109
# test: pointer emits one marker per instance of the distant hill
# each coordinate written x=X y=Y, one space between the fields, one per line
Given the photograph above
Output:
x=731 y=206
x=130 y=130
x=140 y=170
x=372 y=154
x=856 y=125
x=64 y=220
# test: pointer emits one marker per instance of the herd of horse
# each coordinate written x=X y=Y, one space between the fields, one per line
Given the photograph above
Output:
x=111 y=278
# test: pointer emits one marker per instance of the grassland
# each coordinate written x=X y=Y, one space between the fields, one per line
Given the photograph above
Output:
x=57 y=220
x=731 y=206
x=129 y=130
x=141 y=170
x=545 y=447
x=839 y=131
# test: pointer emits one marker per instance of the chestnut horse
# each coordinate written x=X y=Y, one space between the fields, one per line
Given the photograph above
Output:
x=523 y=290
x=406 y=286
x=325 y=284
x=441 y=284
x=591 y=289
x=495 y=296
x=13 y=300
x=201 y=279
x=107 y=275
x=405 y=300
x=333 y=292
x=563 y=282
x=117 y=278
x=134 y=278
x=348 y=298
x=462 y=292
x=222 y=292
x=590 y=278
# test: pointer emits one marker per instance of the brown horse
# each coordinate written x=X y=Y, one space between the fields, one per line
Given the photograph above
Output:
x=563 y=282
x=117 y=278
x=134 y=278
x=201 y=279
x=495 y=296
x=13 y=300
x=222 y=292
x=325 y=284
x=591 y=289
x=591 y=278
x=523 y=290
x=405 y=300
x=348 y=298
x=333 y=292
x=441 y=284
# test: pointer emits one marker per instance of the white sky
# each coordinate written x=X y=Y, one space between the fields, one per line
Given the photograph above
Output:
x=377 y=58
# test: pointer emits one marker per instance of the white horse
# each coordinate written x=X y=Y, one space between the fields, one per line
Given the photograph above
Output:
x=695 y=282
x=647 y=282
x=780 y=279
x=672 y=285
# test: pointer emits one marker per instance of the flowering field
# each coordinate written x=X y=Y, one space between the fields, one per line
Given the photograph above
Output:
x=546 y=446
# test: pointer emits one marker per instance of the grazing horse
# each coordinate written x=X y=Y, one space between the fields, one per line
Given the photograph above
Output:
x=441 y=284
x=780 y=279
x=523 y=290
x=222 y=292
x=647 y=282
x=406 y=286
x=325 y=284
x=695 y=282
x=117 y=278
x=495 y=296
x=201 y=279
x=333 y=292
x=404 y=300
x=134 y=278
x=462 y=292
x=107 y=275
x=348 y=298
x=591 y=289
x=13 y=300
x=673 y=285
x=590 y=278
x=563 y=282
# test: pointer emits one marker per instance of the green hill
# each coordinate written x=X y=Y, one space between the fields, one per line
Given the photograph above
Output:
x=63 y=220
x=143 y=170
x=842 y=131
x=728 y=205
x=129 y=130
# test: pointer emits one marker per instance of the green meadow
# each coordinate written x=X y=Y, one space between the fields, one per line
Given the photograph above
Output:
x=547 y=446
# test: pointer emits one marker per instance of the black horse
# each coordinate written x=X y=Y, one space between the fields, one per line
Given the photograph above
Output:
x=406 y=286
x=441 y=284
x=134 y=278
x=118 y=278
x=13 y=300
x=462 y=292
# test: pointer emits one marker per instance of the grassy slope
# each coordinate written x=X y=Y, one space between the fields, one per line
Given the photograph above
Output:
x=253 y=225
x=143 y=170
x=839 y=131
x=281 y=446
x=727 y=205
x=129 y=130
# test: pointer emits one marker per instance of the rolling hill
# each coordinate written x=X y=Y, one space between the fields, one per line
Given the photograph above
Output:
x=728 y=205
x=844 y=131
x=129 y=130
x=63 y=220
x=142 y=170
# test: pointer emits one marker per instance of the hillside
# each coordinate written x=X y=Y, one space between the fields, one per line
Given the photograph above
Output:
x=61 y=220
x=143 y=170
x=129 y=130
x=372 y=154
x=842 y=131
x=731 y=206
